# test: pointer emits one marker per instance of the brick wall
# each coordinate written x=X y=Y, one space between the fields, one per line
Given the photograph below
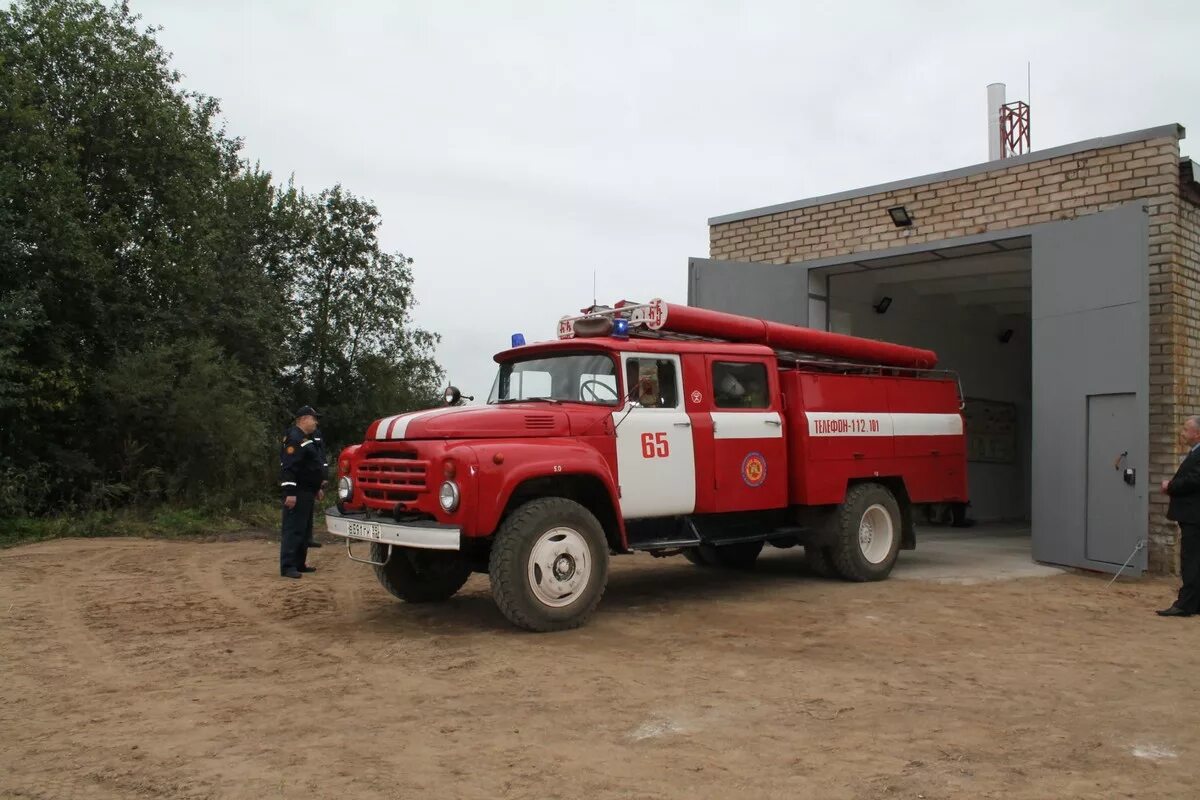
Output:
x=1058 y=188
x=1184 y=350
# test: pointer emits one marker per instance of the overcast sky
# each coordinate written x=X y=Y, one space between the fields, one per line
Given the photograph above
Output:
x=513 y=149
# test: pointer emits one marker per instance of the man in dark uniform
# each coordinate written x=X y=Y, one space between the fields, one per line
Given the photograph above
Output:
x=301 y=473
x=1184 y=508
x=324 y=454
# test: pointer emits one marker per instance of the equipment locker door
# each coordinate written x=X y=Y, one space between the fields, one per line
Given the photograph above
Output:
x=749 y=447
x=656 y=463
x=1091 y=381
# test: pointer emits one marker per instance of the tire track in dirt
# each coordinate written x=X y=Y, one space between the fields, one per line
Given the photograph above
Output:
x=63 y=601
x=347 y=594
x=209 y=575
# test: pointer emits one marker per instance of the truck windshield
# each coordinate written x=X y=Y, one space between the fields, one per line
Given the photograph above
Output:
x=571 y=378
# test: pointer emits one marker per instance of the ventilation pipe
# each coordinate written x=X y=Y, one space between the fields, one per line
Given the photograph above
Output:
x=995 y=93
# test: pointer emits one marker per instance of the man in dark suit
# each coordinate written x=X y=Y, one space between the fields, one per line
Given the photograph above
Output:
x=1184 y=508
x=301 y=481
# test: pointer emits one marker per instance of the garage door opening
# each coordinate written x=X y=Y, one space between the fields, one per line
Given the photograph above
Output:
x=1047 y=327
x=972 y=305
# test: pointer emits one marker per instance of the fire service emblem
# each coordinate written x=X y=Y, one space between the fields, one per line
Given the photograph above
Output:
x=754 y=469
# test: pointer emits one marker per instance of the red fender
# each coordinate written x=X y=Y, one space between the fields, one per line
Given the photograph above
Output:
x=520 y=461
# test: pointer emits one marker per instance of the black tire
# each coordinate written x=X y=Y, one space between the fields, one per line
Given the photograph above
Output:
x=420 y=576
x=847 y=554
x=732 y=556
x=509 y=566
x=820 y=561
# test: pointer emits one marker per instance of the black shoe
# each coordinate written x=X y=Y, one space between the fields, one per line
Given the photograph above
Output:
x=314 y=543
x=1173 y=611
x=308 y=569
x=291 y=573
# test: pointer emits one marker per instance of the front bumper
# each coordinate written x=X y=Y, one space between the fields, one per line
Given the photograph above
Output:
x=421 y=535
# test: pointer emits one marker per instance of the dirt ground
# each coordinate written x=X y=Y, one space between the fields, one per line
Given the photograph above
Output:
x=136 y=668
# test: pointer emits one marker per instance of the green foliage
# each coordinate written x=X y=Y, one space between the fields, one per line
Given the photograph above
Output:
x=163 y=303
x=163 y=521
x=355 y=352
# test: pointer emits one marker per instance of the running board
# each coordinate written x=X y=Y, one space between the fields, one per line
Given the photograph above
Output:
x=664 y=544
x=667 y=544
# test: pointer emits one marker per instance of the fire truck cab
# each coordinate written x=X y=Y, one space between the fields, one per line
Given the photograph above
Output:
x=661 y=428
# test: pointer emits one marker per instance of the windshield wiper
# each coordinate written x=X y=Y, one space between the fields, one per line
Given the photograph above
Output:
x=529 y=400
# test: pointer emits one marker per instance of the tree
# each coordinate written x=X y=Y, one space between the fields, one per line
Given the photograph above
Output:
x=356 y=355
x=150 y=280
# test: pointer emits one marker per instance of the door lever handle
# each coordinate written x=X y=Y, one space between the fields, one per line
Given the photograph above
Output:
x=774 y=422
x=683 y=424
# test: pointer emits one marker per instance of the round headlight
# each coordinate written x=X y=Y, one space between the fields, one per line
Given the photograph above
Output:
x=449 y=496
x=345 y=487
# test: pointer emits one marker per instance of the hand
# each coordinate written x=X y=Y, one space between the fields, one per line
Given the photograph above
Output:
x=289 y=502
x=1165 y=484
x=320 y=494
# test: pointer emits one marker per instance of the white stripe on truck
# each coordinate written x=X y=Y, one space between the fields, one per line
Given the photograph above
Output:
x=874 y=423
x=396 y=427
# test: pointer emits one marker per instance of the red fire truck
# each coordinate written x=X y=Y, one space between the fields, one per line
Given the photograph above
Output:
x=661 y=428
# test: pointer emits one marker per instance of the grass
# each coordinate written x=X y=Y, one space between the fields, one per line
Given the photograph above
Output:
x=168 y=522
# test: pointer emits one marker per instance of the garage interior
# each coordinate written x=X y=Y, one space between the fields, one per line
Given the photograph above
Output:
x=972 y=306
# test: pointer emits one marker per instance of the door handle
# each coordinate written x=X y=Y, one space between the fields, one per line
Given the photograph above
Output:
x=774 y=422
x=683 y=424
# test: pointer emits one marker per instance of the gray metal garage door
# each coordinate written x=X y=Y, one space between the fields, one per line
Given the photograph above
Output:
x=768 y=291
x=1091 y=383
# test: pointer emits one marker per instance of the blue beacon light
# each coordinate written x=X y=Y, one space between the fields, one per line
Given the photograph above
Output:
x=518 y=340
x=621 y=328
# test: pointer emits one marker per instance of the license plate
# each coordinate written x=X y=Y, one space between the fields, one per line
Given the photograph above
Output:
x=363 y=530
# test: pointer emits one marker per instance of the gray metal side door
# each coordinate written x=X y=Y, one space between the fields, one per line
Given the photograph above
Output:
x=1091 y=383
x=777 y=292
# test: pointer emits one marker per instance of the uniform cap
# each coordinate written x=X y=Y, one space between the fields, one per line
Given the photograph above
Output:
x=307 y=411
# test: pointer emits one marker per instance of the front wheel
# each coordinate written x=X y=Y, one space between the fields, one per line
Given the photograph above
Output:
x=420 y=576
x=868 y=534
x=549 y=565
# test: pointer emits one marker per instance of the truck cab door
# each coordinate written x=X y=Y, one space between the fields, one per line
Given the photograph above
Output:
x=749 y=445
x=656 y=463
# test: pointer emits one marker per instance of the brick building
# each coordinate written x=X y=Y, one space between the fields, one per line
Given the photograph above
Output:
x=1063 y=285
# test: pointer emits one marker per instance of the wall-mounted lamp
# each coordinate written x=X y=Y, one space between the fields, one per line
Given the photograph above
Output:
x=1005 y=335
x=882 y=306
x=900 y=216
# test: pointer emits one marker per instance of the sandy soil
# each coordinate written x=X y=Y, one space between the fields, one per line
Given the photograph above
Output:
x=132 y=668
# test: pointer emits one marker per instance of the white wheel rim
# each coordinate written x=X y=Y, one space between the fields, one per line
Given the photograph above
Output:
x=560 y=566
x=875 y=534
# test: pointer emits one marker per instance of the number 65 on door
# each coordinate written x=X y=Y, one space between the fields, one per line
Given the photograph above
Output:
x=655 y=445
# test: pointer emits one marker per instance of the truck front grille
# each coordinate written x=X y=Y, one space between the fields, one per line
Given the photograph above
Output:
x=391 y=477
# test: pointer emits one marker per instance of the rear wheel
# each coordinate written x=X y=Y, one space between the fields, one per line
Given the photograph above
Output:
x=549 y=565
x=420 y=576
x=868 y=534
